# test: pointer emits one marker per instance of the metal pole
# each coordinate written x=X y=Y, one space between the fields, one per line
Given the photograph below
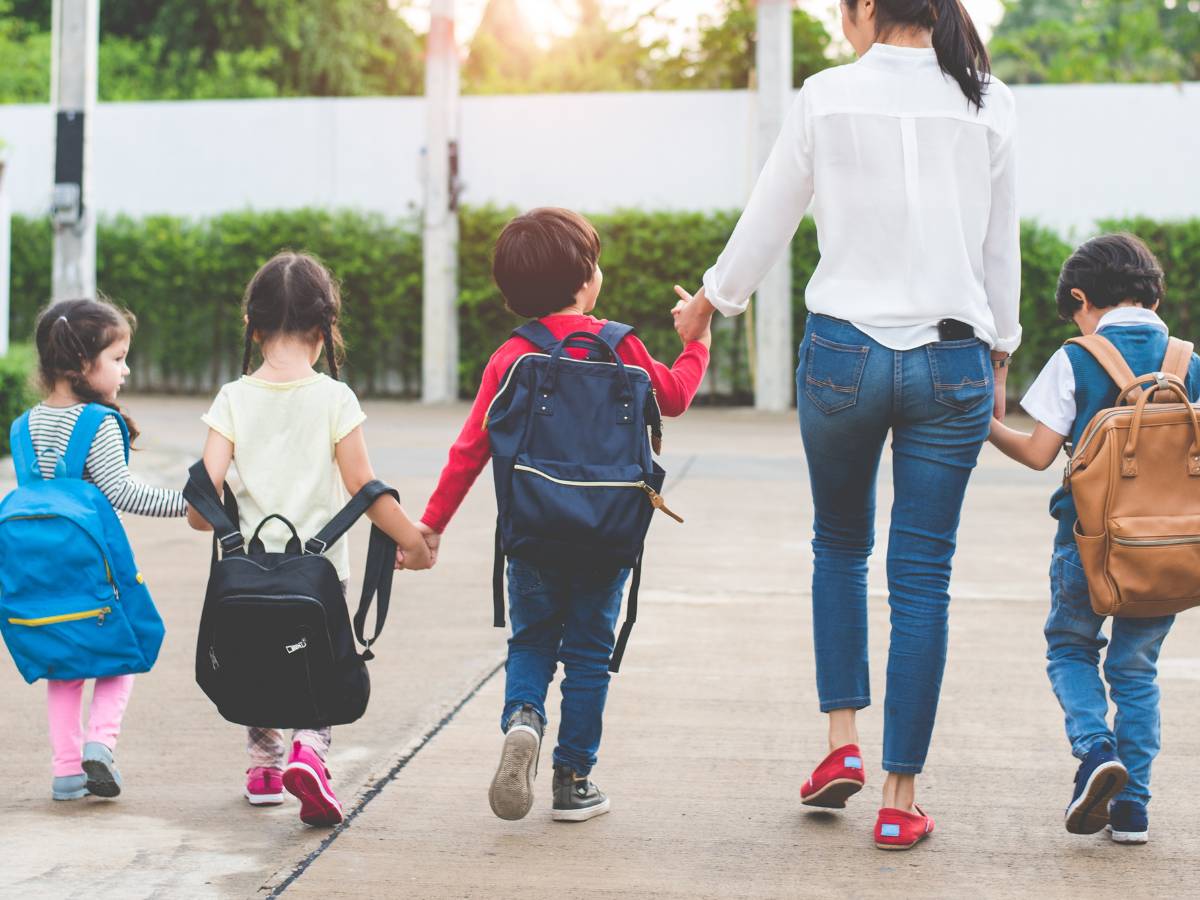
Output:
x=773 y=388
x=439 y=362
x=75 y=53
x=5 y=256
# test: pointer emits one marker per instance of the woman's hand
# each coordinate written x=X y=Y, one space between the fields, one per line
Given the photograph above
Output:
x=693 y=317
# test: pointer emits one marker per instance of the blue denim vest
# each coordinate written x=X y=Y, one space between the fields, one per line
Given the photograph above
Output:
x=1143 y=347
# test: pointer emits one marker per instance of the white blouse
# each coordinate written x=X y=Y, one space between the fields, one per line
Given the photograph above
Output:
x=915 y=203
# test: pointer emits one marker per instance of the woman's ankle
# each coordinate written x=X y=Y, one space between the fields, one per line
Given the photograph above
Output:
x=900 y=792
x=843 y=728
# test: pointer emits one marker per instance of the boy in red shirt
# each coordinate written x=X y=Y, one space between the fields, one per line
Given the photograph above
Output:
x=546 y=266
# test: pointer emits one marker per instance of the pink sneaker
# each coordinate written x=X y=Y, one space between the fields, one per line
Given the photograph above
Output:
x=264 y=786
x=307 y=778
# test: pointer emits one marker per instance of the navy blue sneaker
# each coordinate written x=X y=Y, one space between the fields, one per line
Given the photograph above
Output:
x=1128 y=822
x=1101 y=777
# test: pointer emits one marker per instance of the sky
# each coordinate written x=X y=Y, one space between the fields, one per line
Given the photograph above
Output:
x=550 y=17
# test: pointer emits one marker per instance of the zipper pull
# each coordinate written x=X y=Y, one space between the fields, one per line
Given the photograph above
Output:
x=657 y=501
x=212 y=655
x=100 y=618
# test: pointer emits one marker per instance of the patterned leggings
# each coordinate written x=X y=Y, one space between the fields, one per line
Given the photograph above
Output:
x=269 y=747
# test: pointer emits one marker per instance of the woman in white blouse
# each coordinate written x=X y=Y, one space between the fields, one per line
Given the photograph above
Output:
x=907 y=158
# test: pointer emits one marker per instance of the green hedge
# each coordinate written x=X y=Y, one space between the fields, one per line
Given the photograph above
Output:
x=17 y=392
x=184 y=280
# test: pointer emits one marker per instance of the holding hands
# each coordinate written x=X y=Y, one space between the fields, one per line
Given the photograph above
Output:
x=431 y=539
x=693 y=317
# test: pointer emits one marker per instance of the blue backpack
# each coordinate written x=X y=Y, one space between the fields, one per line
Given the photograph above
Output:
x=72 y=602
x=571 y=441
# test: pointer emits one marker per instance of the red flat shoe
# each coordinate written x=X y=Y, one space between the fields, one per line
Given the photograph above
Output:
x=896 y=829
x=839 y=777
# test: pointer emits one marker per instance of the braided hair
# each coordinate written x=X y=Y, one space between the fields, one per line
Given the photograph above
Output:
x=293 y=294
x=71 y=334
x=1110 y=269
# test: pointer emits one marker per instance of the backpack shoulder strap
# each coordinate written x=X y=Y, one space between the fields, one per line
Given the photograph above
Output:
x=23 y=454
x=537 y=334
x=381 y=558
x=201 y=496
x=1109 y=357
x=1178 y=358
x=84 y=433
x=613 y=333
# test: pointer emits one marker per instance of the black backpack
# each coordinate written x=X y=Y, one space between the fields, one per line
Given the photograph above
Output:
x=276 y=649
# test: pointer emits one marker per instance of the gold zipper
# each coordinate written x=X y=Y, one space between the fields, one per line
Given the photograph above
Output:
x=98 y=614
x=656 y=499
x=1157 y=542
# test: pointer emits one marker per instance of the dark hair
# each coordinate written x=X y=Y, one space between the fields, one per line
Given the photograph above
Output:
x=1110 y=269
x=70 y=334
x=293 y=293
x=543 y=258
x=960 y=51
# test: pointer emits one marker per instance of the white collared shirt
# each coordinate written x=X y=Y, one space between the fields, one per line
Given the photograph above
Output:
x=915 y=203
x=1051 y=398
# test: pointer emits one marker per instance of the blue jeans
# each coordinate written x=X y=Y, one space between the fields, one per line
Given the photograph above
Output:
x=1074 y=639
x=936 y=400
x=568 y=615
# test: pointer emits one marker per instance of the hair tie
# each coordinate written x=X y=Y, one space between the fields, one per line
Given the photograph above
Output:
x=63 y=319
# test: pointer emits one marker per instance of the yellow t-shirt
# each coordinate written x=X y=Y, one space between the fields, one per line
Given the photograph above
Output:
x=283 y=439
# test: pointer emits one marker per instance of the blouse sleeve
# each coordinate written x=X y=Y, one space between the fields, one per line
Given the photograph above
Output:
x=778 y=203
x=1002 y=244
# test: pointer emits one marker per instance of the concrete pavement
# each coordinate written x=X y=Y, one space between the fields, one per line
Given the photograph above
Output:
x=711 y=726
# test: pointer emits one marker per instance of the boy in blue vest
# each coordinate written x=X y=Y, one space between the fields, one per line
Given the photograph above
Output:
x=1111 y=285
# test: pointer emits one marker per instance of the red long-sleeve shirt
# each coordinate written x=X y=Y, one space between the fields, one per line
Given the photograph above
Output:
x=675 y=387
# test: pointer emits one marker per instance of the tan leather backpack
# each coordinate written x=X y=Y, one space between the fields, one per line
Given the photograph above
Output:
x=1135 y=478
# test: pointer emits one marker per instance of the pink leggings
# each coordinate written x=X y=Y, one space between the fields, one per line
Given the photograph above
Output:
x=65 y=702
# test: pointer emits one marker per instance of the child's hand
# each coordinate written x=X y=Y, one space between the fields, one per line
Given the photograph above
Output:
x=432 y=540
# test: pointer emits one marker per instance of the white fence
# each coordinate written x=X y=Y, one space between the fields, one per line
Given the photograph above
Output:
x=1085 y=152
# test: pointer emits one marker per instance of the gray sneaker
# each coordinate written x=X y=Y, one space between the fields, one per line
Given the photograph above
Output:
x=103 y=779
x=511 y=793
x=576 y=798
x=69 y=787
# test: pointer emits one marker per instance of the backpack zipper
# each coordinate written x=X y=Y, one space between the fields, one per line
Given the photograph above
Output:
x=655 y=498
x=1157 y=542
x=97 y=614
x=590 y=362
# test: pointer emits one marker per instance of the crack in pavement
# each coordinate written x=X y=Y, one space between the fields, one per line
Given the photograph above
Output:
x=384 y=781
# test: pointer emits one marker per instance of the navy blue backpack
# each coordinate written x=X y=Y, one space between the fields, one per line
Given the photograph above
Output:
x=572 y=442
x=72 y=602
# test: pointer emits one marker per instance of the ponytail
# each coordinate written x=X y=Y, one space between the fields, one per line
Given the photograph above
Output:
x=960 y=50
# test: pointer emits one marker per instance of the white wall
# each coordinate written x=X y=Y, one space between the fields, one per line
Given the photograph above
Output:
x=1085 y=152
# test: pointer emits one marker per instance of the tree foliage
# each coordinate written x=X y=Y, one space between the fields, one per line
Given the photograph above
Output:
x=1057 y=41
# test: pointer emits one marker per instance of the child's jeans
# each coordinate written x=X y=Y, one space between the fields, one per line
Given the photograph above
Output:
x=1074 y=640
x=567 y=614
x=64 y=701
x=268 y=747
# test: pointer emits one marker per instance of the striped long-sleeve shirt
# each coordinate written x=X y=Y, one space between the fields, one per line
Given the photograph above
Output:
x=50 y=427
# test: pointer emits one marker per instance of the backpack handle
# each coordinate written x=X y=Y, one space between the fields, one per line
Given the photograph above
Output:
x=1163 y=383
x=293 y=544
x=583 y=340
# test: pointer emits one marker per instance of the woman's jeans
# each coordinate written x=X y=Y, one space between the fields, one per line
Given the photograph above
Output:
x=565 y=614
x=937 y=402
x=1074 y=639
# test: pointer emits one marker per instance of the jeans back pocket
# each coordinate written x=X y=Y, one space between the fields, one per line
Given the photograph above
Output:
x=960 y=371
x=832 y=373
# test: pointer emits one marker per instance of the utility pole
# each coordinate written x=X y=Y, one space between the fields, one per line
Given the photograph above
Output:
x=439 y=317
x=773 y=385
x=75 y=54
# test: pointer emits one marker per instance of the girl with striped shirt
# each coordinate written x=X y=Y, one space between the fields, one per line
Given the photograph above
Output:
x=82 y=348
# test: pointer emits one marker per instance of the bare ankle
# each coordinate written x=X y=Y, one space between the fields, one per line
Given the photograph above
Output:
x=843 y=728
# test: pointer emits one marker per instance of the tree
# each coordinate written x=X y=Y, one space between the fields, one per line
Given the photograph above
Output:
x=502 y=52
x=723 y=56
x=1054 y=41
